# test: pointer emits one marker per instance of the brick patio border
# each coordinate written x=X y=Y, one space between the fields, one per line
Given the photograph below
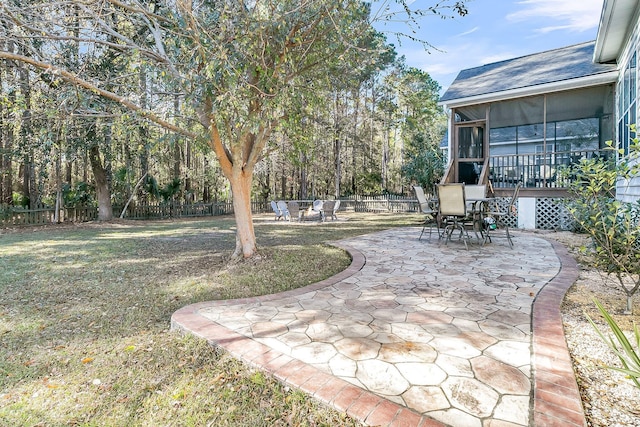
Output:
x=556 y=398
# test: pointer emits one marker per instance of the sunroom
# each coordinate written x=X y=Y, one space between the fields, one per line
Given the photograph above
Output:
x=525 y=120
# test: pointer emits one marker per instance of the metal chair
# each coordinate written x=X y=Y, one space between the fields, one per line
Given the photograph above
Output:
x=475 y=197
x=428 y=209
x=452 y=209
x=474 y=192
x=502 y=217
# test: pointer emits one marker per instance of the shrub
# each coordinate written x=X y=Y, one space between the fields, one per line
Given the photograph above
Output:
x=614 y=225
x=629 y=357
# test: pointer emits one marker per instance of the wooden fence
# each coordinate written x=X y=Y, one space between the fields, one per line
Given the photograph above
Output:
x=386 y=203
x=16 y=216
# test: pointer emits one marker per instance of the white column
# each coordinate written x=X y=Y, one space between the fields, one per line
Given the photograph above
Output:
x=527 y=213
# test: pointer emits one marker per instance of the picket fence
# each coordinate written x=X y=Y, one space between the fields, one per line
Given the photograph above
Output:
x=17 y=216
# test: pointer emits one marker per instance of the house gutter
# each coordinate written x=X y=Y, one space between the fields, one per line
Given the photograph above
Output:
x=578 y=83
x=615 y=24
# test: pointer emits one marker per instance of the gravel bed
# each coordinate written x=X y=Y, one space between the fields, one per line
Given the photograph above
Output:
x=608 y=397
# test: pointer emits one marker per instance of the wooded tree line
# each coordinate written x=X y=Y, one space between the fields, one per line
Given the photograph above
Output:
x=346 y=141
x=104 y=100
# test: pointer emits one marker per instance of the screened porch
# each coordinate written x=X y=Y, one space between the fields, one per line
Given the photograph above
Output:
x=530 y=139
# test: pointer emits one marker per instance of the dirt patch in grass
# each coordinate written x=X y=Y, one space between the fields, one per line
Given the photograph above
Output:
x=85 y=311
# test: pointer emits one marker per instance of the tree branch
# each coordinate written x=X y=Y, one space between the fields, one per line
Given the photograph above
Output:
x=75 y=80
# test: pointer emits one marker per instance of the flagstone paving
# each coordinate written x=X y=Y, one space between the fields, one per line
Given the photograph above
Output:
x=417 y=333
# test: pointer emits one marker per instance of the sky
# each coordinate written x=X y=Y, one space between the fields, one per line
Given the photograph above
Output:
x=495 y=30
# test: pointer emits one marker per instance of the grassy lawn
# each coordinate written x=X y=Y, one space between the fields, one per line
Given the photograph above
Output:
x=85 y=311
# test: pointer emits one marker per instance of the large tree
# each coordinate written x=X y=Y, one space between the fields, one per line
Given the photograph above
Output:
x=423 y=127
x=242 y=65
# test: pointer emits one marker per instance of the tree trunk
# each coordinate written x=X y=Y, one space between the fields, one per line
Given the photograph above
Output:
x=144 y=162
x=245 y=234
x=68 y=171
x=7 y=133
x=128 y=163
x=58 y=218
x=303 y=176
x=108 y=156
x=237 y=167
x=7 y=167
x=143 y=134
x=105 y=211
x=26 y=180
x=190 y=197
x=3 y=131
x=206 y=184
x=26 y=136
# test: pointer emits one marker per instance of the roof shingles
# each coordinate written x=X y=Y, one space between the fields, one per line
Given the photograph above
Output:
x=552 y=66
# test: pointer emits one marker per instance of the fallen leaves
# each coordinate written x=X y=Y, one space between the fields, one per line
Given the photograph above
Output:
x=50 y=385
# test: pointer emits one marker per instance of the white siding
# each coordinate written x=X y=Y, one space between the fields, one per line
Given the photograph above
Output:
x=628 y=190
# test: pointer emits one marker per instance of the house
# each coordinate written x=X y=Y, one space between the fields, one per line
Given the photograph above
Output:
x=618 y=42
x=527 y=118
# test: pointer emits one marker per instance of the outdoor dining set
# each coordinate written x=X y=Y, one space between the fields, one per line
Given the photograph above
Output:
x=457 y=209
x=319 y=210
x=454 y=210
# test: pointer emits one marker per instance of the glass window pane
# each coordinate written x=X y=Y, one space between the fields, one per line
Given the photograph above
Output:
x=627 y=74
x=580 y=134
x=632 y=79
x=530 y=132
x=507 y=134
x=551 y=131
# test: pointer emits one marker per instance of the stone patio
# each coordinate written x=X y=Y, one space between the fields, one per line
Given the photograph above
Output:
x=417 y=333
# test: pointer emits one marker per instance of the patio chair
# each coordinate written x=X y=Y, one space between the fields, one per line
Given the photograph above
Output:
x=327 y=209
x=474 y=192
x=276 y=210
x=335 y=210
x=429 y=210
x=501 y=218
x=294 y=211
x=475 y=197
x=282 y=205
x=453 y=211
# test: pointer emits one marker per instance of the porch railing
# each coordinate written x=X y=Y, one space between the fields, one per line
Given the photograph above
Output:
x=540 y=170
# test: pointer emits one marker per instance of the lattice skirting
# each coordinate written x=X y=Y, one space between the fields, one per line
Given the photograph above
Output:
x=551 y=214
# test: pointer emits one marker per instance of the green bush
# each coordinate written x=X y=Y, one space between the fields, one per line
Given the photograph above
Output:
x=612 y=224
x=20 y=199
x=80 y=194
